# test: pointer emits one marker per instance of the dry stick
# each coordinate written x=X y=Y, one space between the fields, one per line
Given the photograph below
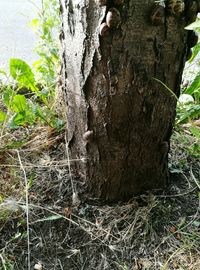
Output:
x=3 y=262
x=176 y=195
x=68 y=160
x=27 y=210
x=52 y=164
x=61 y=267
x=194 y=178
x=74 y=193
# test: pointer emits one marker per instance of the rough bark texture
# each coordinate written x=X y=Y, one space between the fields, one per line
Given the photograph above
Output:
x=110 y=90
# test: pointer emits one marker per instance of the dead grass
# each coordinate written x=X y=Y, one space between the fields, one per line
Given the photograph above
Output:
x=152 y=231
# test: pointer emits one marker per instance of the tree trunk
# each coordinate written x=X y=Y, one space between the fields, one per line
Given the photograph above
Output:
x=119 y=117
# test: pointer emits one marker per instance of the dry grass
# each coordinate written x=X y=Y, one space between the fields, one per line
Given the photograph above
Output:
x=153 y=231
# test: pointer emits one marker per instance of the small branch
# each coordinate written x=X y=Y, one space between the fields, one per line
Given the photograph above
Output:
x=27 y=211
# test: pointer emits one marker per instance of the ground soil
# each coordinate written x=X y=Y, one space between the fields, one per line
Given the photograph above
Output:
x=71 y=231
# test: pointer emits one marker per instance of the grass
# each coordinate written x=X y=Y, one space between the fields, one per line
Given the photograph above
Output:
x=39 y=225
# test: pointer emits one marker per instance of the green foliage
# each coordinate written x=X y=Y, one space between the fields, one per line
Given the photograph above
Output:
x=23 y=74
x=47 y=27
x=194 y=87
x=39 y=82
x=194 y=149
x=20 y=110
x=195 y=131
x=2 y=116
x=188 y=111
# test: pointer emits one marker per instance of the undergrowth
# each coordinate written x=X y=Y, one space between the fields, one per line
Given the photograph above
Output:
x=28 y=92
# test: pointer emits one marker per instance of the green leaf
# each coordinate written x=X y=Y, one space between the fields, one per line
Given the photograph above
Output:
x=195 y=132
x=19 y=103
x=8 y=96
x=23 y=73
x=50 y=218
x=34 y=23
x=195 y=52
x=2 y=71
x=195 y=86
x=194 y=150
x=187 y=112
x=30 y=182
x=2 y=116
x=18 y=120
x=193 y=25
x=30 y=114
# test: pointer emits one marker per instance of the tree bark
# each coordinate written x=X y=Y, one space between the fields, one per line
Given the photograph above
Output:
x=119 y=117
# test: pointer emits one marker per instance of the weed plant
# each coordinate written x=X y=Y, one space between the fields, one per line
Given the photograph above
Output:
x=28 y=94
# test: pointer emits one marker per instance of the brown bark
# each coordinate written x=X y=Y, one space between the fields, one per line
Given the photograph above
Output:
x=110 y=91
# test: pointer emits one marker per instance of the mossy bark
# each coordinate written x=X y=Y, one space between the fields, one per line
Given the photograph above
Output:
x=110 y=88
